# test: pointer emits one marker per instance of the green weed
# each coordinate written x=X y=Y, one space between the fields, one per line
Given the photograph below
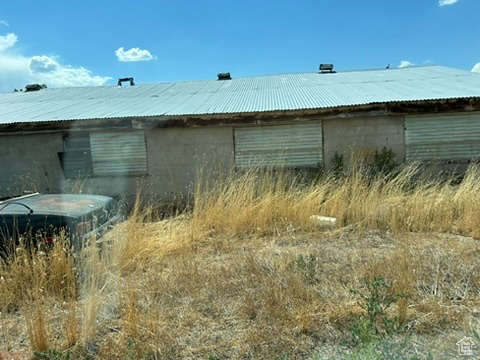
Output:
x=307 y=266
x=375 y=300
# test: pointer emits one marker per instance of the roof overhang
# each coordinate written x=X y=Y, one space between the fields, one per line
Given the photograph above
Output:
x=229 y=119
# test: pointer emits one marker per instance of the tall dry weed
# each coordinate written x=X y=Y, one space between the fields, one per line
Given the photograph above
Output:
x=255 y=202
x=37 y=322
x=246 y=272
x=262 y=202
x=92 y=277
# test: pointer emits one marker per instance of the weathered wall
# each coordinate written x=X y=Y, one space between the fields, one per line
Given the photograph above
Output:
x=176 y=156
x=30 y=162
x=357 y=138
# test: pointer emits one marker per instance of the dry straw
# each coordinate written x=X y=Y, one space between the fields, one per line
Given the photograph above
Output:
x=244 y=271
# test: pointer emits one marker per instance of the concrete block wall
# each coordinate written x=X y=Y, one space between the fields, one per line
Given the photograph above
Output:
x=30 y=162
x=360 y=137
x=174 y=157
x=177 y=156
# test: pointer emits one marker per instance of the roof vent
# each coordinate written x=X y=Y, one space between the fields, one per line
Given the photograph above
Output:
x=119 y=83
x=326 y=68
x=35 y=87
x=224 y=76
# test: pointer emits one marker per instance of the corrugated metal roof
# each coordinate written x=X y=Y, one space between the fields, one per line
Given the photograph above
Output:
x=240 y=95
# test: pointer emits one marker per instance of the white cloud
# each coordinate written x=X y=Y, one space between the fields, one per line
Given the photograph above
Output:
x=47 y=71
x=7 y=41
x=405 y=63
x=476 y=68
x=4 y=23
x=13 y=72
x=18 y=70
x=446 y=2
x=134 y=54
x=42 y=64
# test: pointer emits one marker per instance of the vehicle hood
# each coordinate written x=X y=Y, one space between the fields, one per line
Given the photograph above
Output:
x=71 y=205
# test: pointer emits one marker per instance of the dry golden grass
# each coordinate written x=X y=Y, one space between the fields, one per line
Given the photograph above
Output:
x=247 y=274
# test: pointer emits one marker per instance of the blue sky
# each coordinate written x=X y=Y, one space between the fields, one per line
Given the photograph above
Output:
x=94 y=42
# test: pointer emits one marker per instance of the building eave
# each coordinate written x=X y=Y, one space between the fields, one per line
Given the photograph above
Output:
x=231 y=119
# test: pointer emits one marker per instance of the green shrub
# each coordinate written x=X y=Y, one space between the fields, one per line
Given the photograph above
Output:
x=338 y=165
x=376 y=299
x=384 y=162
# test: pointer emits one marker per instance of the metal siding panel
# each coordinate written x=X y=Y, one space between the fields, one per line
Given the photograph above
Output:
x=118 y=153
x=76 y=163
x=76 y=158
x=452 y=137
x=295 y=145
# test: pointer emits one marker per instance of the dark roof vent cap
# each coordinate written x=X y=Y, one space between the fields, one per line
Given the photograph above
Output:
x=35 y=87
x=326 y=68
x=130 y=79
x=224 y=76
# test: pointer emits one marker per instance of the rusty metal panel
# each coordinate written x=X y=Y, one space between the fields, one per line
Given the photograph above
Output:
x=294 y=145
x=445 y=137
x=118 y=153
